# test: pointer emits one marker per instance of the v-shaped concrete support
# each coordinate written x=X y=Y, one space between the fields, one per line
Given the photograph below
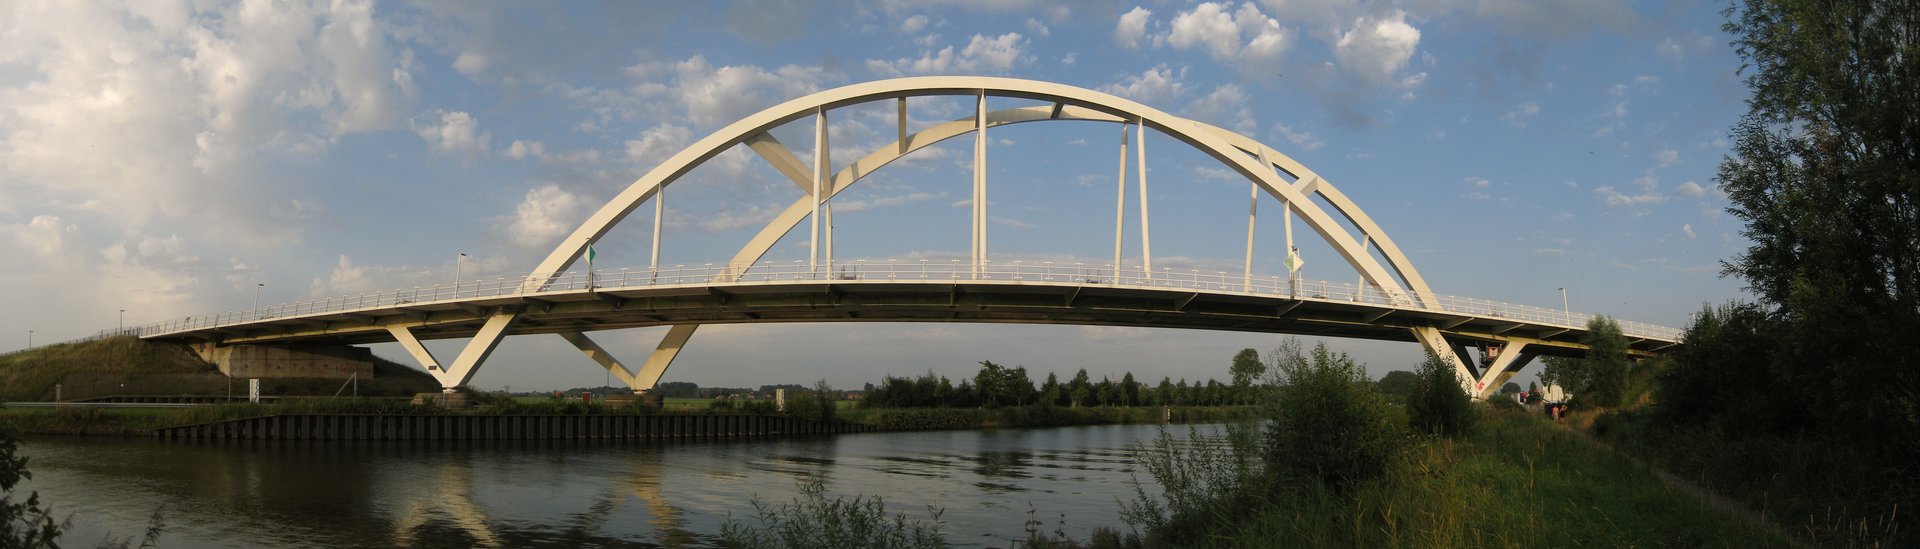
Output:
x=1512 y=358
x=1437 y=344
x=475 y=353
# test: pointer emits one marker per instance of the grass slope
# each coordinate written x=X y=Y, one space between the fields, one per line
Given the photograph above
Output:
x=1519 y=482
x=131 y=366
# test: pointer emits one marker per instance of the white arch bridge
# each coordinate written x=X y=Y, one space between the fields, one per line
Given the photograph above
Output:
x=1389 y=301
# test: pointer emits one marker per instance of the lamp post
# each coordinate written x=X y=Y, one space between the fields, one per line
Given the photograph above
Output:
x=1563 y=305
x=256 y=300
x=123 y=321
x=456 y=273
x=29 y=339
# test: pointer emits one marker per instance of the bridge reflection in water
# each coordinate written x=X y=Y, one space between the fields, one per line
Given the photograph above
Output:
x=600 y=493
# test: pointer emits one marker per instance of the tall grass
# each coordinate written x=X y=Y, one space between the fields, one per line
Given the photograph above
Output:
x=814 y=520
x=1518 y=481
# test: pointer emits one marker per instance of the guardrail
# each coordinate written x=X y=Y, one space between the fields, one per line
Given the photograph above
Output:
x=893 y=270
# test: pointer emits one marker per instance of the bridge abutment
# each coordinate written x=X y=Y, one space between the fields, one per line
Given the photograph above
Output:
x=278 y=360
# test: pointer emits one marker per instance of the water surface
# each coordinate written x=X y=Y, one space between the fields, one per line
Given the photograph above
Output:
x=573 y=493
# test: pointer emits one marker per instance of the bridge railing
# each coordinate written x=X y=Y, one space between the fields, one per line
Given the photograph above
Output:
x=904 y=271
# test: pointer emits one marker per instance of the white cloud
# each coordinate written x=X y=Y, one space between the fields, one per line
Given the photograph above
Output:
x=983 y=55
x=1376 y=49
x=522 y=150
x=193 y=101
x=719 y=96
x=44 y=237
x=471 y=63
x=454 y=133
x=1614 y=197
x=544 y=216
x=1228 y=106
x=657 y=144
x=1037 y=28
x=1303 y=139
x=1157 y=86
x=729 y=219
x=1069 y=59
x=1011 y=223
x=1520 y=115
x=914 y=24
x=863 y=204
x=1132 y=27
x=1688 y=229
x=1479 y=182
x=1690 y=190
x=1666 y=157
x=1246 y=37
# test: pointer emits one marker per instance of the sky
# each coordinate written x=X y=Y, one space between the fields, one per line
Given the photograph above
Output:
x=167 y=158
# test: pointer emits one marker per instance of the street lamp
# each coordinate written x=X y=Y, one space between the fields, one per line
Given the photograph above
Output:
x=256 y=300
x=456 y=273
x=1563 y=305
x=29 y=339
x=123 y=320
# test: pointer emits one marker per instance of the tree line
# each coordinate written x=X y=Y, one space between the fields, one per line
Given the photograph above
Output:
x=995 y=386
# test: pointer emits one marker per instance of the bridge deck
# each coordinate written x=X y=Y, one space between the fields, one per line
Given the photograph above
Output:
x=895 y=291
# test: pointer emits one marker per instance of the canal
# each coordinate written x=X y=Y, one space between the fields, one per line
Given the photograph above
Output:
x=574 y=493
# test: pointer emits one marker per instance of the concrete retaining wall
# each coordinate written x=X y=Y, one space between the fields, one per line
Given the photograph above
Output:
x=278 y=360
x=517 y=427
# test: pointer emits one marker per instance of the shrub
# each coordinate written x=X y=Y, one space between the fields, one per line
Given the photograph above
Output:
x=26 y=523
x=1438 y=405
x=1327 y=421
x=814 y=520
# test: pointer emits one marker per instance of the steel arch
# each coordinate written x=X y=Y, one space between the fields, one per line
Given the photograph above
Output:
x=1252 y=159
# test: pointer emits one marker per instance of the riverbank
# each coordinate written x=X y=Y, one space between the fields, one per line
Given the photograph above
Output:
x=1040 y=416
x=141 y=422
x=1519 y=481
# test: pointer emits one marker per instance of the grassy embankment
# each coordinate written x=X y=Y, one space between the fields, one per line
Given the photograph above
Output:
x=1822 y=493
x=130 y=366
x=1519 y=481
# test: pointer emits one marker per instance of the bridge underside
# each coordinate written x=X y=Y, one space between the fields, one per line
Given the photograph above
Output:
x=1031 y=303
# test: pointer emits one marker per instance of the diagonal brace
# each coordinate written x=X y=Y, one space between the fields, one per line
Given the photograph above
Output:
x=600 y=355
x=662 y=357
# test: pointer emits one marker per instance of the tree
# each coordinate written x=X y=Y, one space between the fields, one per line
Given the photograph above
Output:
x=1326 y=422
x=1247 y=368
x=1080 y=389
x=1129 y=390
x=1050 y=391
x=1510 y=388
x=1439 y=406
x=1164 y=392
x=1599 y=379
x=991 y=383
x=1019 y=387
x=1826 y=175
x=1398 y=383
